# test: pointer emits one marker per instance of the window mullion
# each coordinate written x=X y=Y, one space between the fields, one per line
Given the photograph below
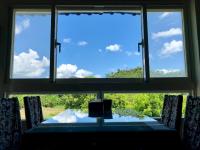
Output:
x=53 y=53
x=145 y=45
x=100 y=120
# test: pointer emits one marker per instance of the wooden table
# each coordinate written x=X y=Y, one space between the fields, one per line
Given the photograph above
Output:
x=75 y=129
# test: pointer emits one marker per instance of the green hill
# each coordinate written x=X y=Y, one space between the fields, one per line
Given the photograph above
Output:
x=126 y=73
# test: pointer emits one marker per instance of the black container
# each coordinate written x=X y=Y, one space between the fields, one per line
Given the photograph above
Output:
x=107 y=108
x=96 y=109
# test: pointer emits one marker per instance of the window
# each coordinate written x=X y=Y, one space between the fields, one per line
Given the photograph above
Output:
x=31 y=44
x=97 y=44
x=108 y=48
x=166 y=44
x=126 y=107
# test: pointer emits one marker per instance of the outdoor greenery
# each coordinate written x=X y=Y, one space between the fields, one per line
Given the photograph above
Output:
x=126 y=73
x=149 y=104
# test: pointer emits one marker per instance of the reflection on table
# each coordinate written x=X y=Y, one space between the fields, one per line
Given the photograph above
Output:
x=71 y=116
x=77 y=116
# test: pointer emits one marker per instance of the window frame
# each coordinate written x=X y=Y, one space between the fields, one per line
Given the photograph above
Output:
x=183 y=84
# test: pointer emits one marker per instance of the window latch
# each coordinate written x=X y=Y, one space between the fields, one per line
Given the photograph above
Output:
x=140 y=44
x=58 y=44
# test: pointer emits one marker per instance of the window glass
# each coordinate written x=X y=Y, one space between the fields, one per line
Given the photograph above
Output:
x=31 y=44
x=138 y=105
x=126 y=107
x=62 y=108
x=99 y=45
x=166 y=44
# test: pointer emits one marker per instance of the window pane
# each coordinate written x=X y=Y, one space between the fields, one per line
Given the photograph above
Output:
x=99 y=45
x=137 y=107
x=31 y=47
x=71 y=108
x=166 y=44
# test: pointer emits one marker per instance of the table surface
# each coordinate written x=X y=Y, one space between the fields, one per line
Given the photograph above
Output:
x=72 y=127
x=77 y=121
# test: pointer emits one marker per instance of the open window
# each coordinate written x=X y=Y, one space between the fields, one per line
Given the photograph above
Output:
x=99 y=43
x=30 y=44
x=166 y=44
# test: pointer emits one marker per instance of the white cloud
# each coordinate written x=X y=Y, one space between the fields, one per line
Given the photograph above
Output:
x=28 y=64
x=20 y=27
x=81 y=73
x=26 y=23
x=114 y=48
x=172 y=47
x=70 y=70
x=165 y=14
x=167 y=71
x=128 y=53
x=66 y=40
x=82 y=43
x=168 y=33
x=137 y=53
x=66 y=70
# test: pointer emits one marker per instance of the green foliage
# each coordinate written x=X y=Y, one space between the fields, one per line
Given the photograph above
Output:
x=149 y=104
x=118 y=100
x=145 y=104
x=126 y=73
x=124 y=104
x=52 y=100
x=78 y=101
x=20 y=98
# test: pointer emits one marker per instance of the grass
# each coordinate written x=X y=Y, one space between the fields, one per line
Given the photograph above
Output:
x=48 y=112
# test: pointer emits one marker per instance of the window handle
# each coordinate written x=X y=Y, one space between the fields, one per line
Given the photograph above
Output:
x=58 y=44
x=140 y=44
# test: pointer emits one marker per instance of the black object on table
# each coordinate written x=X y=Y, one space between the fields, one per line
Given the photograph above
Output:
x=100 y=108
x=107 y=103
x=95 y=108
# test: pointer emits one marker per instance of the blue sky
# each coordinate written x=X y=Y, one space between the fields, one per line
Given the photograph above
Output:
x=96 y=44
